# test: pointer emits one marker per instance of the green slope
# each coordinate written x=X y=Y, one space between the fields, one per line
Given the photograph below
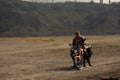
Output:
x=19 y=18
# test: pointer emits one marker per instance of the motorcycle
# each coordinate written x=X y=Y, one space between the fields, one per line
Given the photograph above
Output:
x=77 y=56
x=80 y=54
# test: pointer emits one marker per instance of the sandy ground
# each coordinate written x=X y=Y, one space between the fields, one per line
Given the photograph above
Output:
x=46 y=58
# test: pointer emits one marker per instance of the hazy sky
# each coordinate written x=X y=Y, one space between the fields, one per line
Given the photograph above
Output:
x=105 y=1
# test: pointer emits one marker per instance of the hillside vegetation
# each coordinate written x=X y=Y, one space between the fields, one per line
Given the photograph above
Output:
x=18 y=18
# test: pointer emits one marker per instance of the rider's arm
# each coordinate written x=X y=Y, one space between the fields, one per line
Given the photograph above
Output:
x=73 y=42
x=82 y=40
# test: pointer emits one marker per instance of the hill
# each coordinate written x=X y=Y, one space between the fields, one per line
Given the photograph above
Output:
x=18 y=18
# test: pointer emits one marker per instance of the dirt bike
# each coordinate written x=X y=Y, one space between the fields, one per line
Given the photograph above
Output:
x=77 y=56
x=80 y=54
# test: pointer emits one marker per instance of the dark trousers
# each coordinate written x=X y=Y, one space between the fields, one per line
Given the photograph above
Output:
x=72 y=58
x=86 y=58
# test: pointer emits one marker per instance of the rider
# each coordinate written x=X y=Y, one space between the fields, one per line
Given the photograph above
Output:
x=77 y=41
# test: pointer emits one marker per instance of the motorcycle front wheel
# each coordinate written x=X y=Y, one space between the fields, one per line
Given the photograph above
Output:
x=78 y=63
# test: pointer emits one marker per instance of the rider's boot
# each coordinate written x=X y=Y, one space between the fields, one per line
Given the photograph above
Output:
x=84 y=63
x=73 y=64
x=89 y=62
